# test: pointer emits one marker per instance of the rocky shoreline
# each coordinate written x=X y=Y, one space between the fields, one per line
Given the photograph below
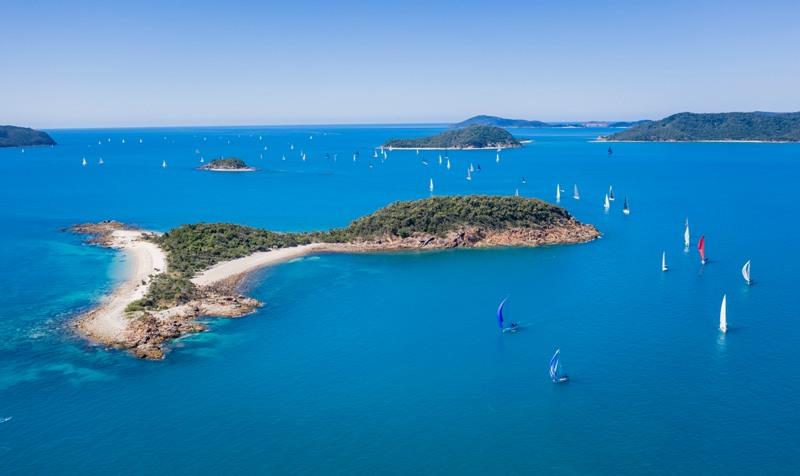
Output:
x=147 y=333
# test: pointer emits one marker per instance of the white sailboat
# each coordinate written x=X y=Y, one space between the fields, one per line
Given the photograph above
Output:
x=448 y=164
x=83 y=162
x=430 y=186
x=664 y=261
x=471 y=168
x=100 y=162
x=611 y=193
x=723 y=315
x=163 y=164
x=440 y=159
x=469 y=175
x=497 y=158
x=606 y=203
x=575 y=194
x=516 y=192
x=746 y=272
x=558 y=192
x=625 y=208
x=686 y=236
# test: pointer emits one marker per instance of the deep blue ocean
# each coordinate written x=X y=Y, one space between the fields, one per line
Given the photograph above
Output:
x=392 y=363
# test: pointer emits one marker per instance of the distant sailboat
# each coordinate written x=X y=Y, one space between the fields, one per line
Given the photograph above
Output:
x=611 y=193
x=469 y=175
x=501 y=321
x=558 y=192
x=516 y=192
x=417 y=151
x=723 y=315
x=83 y=162
x=746 y=272
x=283 y=157
x=575 y=194
x=610 y=151
x=701 y=248
x=664 y=261
x=625 y=208
x=164 y=164
x=555 y=371
x=375 y=154
x=448 y=164
x=497 y=158
x=686 y=236
x=606 y=203
x=291 y=146
x=202 y=160
x=440 y=159
x=100 y=162
x=471 y=168
x=430 y=186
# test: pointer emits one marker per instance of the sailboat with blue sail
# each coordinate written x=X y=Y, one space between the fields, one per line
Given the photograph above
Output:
x=555 y=369
x=513 y=327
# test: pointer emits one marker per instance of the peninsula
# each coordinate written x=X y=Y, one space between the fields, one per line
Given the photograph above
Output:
x=195 y=270
x=485 y=120
x=227 y=164
x=721 y=127
x=13 y=136
x=470 y=137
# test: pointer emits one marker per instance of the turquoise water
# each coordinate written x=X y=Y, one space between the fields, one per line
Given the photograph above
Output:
x=392 y=363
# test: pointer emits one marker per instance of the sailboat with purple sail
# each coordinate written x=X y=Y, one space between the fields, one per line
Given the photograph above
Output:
x=555 y=369
x=513 y=327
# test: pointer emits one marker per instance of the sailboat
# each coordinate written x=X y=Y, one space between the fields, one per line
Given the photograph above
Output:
x=375 y=154
x=686 y=236
x=440 y=159
x=625 y=209
x=100 y=162
x=746 y=272
x=555 y=372
x=430 y=186
x=611 y=193
x=701 y=248
x=291 y=146
x=558 y=192
x=497 y=158
x=664 y=261
x=471 y=168
x=501 y=321
x=575 y=194
x=283 y=157
x=723 y=315
x=469 y=175
x=202 y=160
x=164 y=164
x=448 y=164
x=83 y=162
x=606 y=203
x=516 y=192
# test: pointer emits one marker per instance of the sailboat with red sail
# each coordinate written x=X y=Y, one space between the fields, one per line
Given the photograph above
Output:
x=701 y=247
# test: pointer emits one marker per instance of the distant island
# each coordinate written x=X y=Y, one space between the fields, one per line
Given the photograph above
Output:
x=13 y=136
x=729 y=126
x=470 y=137
x=485 y=120
x=194 y=270
x=228 y=164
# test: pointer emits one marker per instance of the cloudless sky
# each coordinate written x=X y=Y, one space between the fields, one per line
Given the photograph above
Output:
x=92 y=63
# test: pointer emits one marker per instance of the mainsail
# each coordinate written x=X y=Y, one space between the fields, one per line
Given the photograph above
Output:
x=746 y=271
x=500 y=313
x=611 y=193
x=701 y=248
x=723 y=314
x=558 y=192
x=686 y=236
x=606 y=203
x=555 y=374
x=575 y=194
x=664 y=261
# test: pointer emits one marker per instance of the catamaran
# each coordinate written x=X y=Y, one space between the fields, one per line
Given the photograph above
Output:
x=611 y=193
x=625 y=208
x=606 y=203
x=686 y=236
x=746 y=272
x=723 y=315
x=555 y=372
x=701 y=248
x=575 y=194
x=664 y=261
x=513 y=327
x=558 y=192
x=430 y=186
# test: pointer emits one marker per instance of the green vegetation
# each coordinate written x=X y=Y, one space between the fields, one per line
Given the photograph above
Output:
x=194 y=248
x=471 y=137
x=686 y=126
x=485 y=120
x=12 y=136
x=231 y=163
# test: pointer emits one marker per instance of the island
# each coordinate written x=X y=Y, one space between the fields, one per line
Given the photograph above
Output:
x=196 y=270
x=717 y=127
x=470 y=137
x=485 y=120
x=227 y=164
x=13 y=136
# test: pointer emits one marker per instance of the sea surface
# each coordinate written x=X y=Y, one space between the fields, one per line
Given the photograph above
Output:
x=393 y=363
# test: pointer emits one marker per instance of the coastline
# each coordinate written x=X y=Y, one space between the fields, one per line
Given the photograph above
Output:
x=723 y=141
x=390 y=149
x=145 y=333
x=211 y=169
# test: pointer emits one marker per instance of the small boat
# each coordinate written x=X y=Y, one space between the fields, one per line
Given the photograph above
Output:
x=430 y=186
x=497 y=158
x=425 y=163
x=555 y=371
x=625 y=208
x=164 y=164
x=448 y=164
x=701 y=248
x=501 y=321
x=516 y=192
x=440 y=159
x=100 y=162
x=611 y=193
x=123 y=141
x=83 y=162
x=291 y=146
x=664 y=261
x=524 y=181
x=375 y=154
x=558 y=192
x=469 y=175
x=575 y=194
x=686 y=236
x=202 y=160
x=471 y=168
x=355 y=156
x=5 y=419
x=610 y=151
x=723 y=315
x=304 y=157
x=417 y=151
x=140 y=141
x=746 y=272
x=283 y=157
x=606 y=203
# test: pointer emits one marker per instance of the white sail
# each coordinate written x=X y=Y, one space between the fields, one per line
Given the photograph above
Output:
x=164 y=164
x=469 y=175
x=575 y=194
x=611 y=193
x=723 y=314
x=664 y=261
x=100 y=162
x=746 y=272
x=440 y=159
x=558 y=192
x=84 y=162
x=448 y=164
x=516 y=192
x=497 y=158
x=430 y=186
x=606 y=203
x=471 y=168
x=686 y=235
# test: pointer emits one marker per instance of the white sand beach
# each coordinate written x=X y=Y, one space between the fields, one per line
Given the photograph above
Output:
x=228 y=269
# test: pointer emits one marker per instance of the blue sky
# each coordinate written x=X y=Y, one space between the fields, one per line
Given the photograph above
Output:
x=91 y=63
